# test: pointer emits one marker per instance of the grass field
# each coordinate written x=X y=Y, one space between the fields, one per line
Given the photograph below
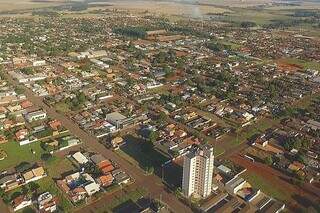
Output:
x=260 y=17
x=62 y=107
x=264 y=185
x=255 y=128
x=14 y=5
x=17 y=154
x=56 y=166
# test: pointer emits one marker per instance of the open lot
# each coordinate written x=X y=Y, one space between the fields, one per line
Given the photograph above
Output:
x=138 y=155
x=17 y=154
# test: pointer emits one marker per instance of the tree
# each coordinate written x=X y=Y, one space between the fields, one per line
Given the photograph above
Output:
x=27 y=70
x=6 y=198
x=300 y=157
x=153 y=136
x=297 y=144
x=299 y=178
x=305 y=143
x=178 y=191
x=46 y=156
x=19 y=90
x=134 y=32
x=33 y=186
x=12 y=117
x=149 y=170
x=23 y=166
x=247 y=24
x=91 y=168
x=268 y=160
x=175 y=153
x=2 y=192
x=297 y=182
x=24 y=190
x=81 y=97
x=162 y=117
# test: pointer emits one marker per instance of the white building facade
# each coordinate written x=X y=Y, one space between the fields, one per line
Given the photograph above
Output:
x=198 y=172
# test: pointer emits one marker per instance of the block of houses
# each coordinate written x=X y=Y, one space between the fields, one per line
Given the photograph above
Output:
x=78 y=186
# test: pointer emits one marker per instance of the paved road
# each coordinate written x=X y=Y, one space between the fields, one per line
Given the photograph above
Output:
x=152 y=183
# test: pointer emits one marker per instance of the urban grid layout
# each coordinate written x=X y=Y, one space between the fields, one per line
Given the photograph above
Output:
x=159 y=106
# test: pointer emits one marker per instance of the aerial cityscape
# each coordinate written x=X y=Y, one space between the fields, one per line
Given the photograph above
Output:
x=169 y=106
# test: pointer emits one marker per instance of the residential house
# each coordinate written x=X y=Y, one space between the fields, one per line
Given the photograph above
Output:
x=21 y=202
x=46 y=203
x=34 y=174
x=80 y=158
x=105 y=180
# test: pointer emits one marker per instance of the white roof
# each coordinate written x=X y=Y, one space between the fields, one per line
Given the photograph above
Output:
x=115 y=117
x=91 y=188
x=80 y=158
x=224 y=169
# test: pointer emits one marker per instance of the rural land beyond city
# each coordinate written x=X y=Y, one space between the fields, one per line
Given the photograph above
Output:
x=159 y=106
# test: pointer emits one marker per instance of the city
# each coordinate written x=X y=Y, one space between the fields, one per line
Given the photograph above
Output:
x=170 y=106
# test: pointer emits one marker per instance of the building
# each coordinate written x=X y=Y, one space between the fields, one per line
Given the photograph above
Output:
x=80 y=158
x=38 y=63
x=21 y=202
x=34 y=174
x=78 y=186
x=116 y=119
x=198 y=171
x=36 y=115
x=92 y=188
x=46 y=203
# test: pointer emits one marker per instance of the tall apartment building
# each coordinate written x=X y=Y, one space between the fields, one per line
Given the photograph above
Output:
x=198 y=172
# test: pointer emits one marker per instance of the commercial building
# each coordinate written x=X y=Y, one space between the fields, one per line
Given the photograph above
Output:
x=198 y=171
